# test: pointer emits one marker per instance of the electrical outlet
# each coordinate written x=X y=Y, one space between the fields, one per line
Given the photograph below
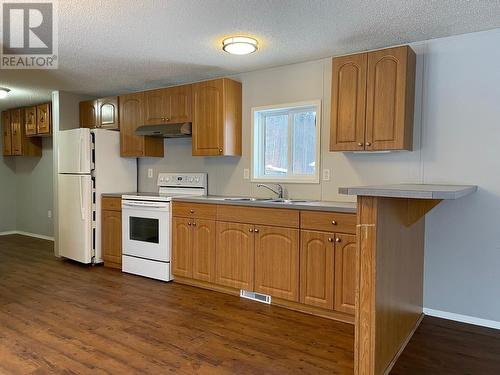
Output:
x=326 y=175
x=150 y=172
x=246 y=174
x=49 y=214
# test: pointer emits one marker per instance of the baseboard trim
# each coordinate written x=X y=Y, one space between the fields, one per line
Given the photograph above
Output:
x=463 y=318
x=22 y=233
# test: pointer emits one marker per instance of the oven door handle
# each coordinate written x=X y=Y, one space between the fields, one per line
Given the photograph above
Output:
x=143 y=205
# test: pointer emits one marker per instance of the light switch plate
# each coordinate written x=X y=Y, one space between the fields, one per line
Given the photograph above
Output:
x=49 y=214
x=326 y=175
x=150 y=172
x=246 y=174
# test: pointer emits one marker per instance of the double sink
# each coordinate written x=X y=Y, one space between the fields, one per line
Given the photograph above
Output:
x=267 y=200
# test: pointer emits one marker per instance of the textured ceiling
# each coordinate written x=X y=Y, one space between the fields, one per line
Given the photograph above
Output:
x=114 y=46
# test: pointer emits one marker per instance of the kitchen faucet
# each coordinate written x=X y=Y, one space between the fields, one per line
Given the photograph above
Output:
x=278 y=190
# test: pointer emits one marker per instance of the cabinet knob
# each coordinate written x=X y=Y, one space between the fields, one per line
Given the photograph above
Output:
x=167 y=119
x=334 y=222
x=256 y=230
x=191 y=211
x=360 y=144
x=368 y=144
x=250 y=230
x=189 y=223
x=338 y=240
x=194 y=224
x=330 y=239
x=221 y=150
x=163 y=119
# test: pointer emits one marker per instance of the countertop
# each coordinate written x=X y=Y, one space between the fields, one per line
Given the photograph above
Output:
x=417 y=191
x=347 y=207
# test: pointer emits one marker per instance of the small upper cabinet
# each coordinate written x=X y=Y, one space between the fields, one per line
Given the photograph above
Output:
x=107 y=113
x=170 y=105
x=6 y=134
x=217 y=118
x=30 y=121
x=373 y=101
x=15 y=140
x=43 y=119
x=88 y=114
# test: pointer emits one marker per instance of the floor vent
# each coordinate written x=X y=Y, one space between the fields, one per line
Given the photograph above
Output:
x=264 y=298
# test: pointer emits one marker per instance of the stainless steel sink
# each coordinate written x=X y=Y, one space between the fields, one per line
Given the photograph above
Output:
x=248 y=199
x=289 y=201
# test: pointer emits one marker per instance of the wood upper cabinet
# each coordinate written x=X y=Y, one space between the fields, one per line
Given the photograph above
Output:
x=108 y=113
x=217 y=118
x=182 y=248
x=88 y=114
x=17 y=134
x=43 y=119
x=131 y=117
x=277 y=262
x=111 y=232
x=30 y=121
x=345 y=273
x=170 y=105
x=203 y=242
x=373 y=101
x=6 y=134
x=390 y=99
x=317 y=262
x=348 y=103
x=234 y=258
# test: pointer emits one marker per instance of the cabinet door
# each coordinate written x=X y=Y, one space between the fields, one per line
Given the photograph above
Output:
x=178 y=103
x=390 y=96
x=347 y=132
x=43 y=119
x=317 y=269
x=234 y=257
x=111 y=241
x=88 y=114
x=156 y=107
x=6 y=134
x=277 y=262
x=182 y=248
x=17 y=136
x=30 y=121
x=208 y=118
x=108 y=113
x=345 y=273
x=203 y=243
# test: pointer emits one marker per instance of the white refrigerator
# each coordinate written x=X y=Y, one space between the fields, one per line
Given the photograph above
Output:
x=89 y=164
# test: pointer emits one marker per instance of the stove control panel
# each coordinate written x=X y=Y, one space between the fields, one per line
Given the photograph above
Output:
x=182 y=180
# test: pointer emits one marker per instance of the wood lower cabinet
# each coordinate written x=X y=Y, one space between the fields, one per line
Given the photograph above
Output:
x=111 y=232
x=234 y=259
x=182 y=247
x=317 y=269
x=345 y=273
x=277 y=262
x=6 y=134
x=217 y=118
x=373 y=100
x=131 y=117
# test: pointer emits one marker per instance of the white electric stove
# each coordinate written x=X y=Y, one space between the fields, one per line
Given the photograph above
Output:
x=147 y=224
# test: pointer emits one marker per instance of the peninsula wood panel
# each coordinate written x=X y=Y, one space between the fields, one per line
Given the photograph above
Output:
x=235 y=255
x=182 y=253
x=390 y=299
x=280 y=217
x=88 y=114
x=6 y=134
x=348 y=102
x=345 y=273
x=30 y=121
x=328 y=221
x=317 y=266
x=277 y=262
x=131 y=117
x=390 y=99
x=203 y=248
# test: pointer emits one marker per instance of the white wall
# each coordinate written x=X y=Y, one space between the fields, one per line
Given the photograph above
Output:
x=458 y=115
x=7 y=193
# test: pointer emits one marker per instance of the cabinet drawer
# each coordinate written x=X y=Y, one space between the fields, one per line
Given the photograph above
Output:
x=112 y=203
x=198 y=210
x=328 y=221
x=254 y=215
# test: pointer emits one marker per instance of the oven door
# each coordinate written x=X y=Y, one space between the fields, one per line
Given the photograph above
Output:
x=146 y=230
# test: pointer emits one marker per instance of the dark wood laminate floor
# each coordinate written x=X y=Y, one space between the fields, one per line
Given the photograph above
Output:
x=61 y=317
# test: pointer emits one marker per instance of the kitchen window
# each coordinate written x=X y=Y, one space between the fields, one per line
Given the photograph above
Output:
x=286 y=143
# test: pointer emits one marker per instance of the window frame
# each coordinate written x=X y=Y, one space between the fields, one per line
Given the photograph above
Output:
x=257 y=144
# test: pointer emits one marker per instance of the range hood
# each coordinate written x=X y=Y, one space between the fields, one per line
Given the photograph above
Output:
x=166 y=131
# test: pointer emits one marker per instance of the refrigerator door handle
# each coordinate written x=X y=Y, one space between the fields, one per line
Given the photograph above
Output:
x=82 y=213
x=80 y=146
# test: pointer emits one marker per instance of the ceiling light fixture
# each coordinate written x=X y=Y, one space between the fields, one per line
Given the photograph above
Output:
x=3 y=92
x=239 y=45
